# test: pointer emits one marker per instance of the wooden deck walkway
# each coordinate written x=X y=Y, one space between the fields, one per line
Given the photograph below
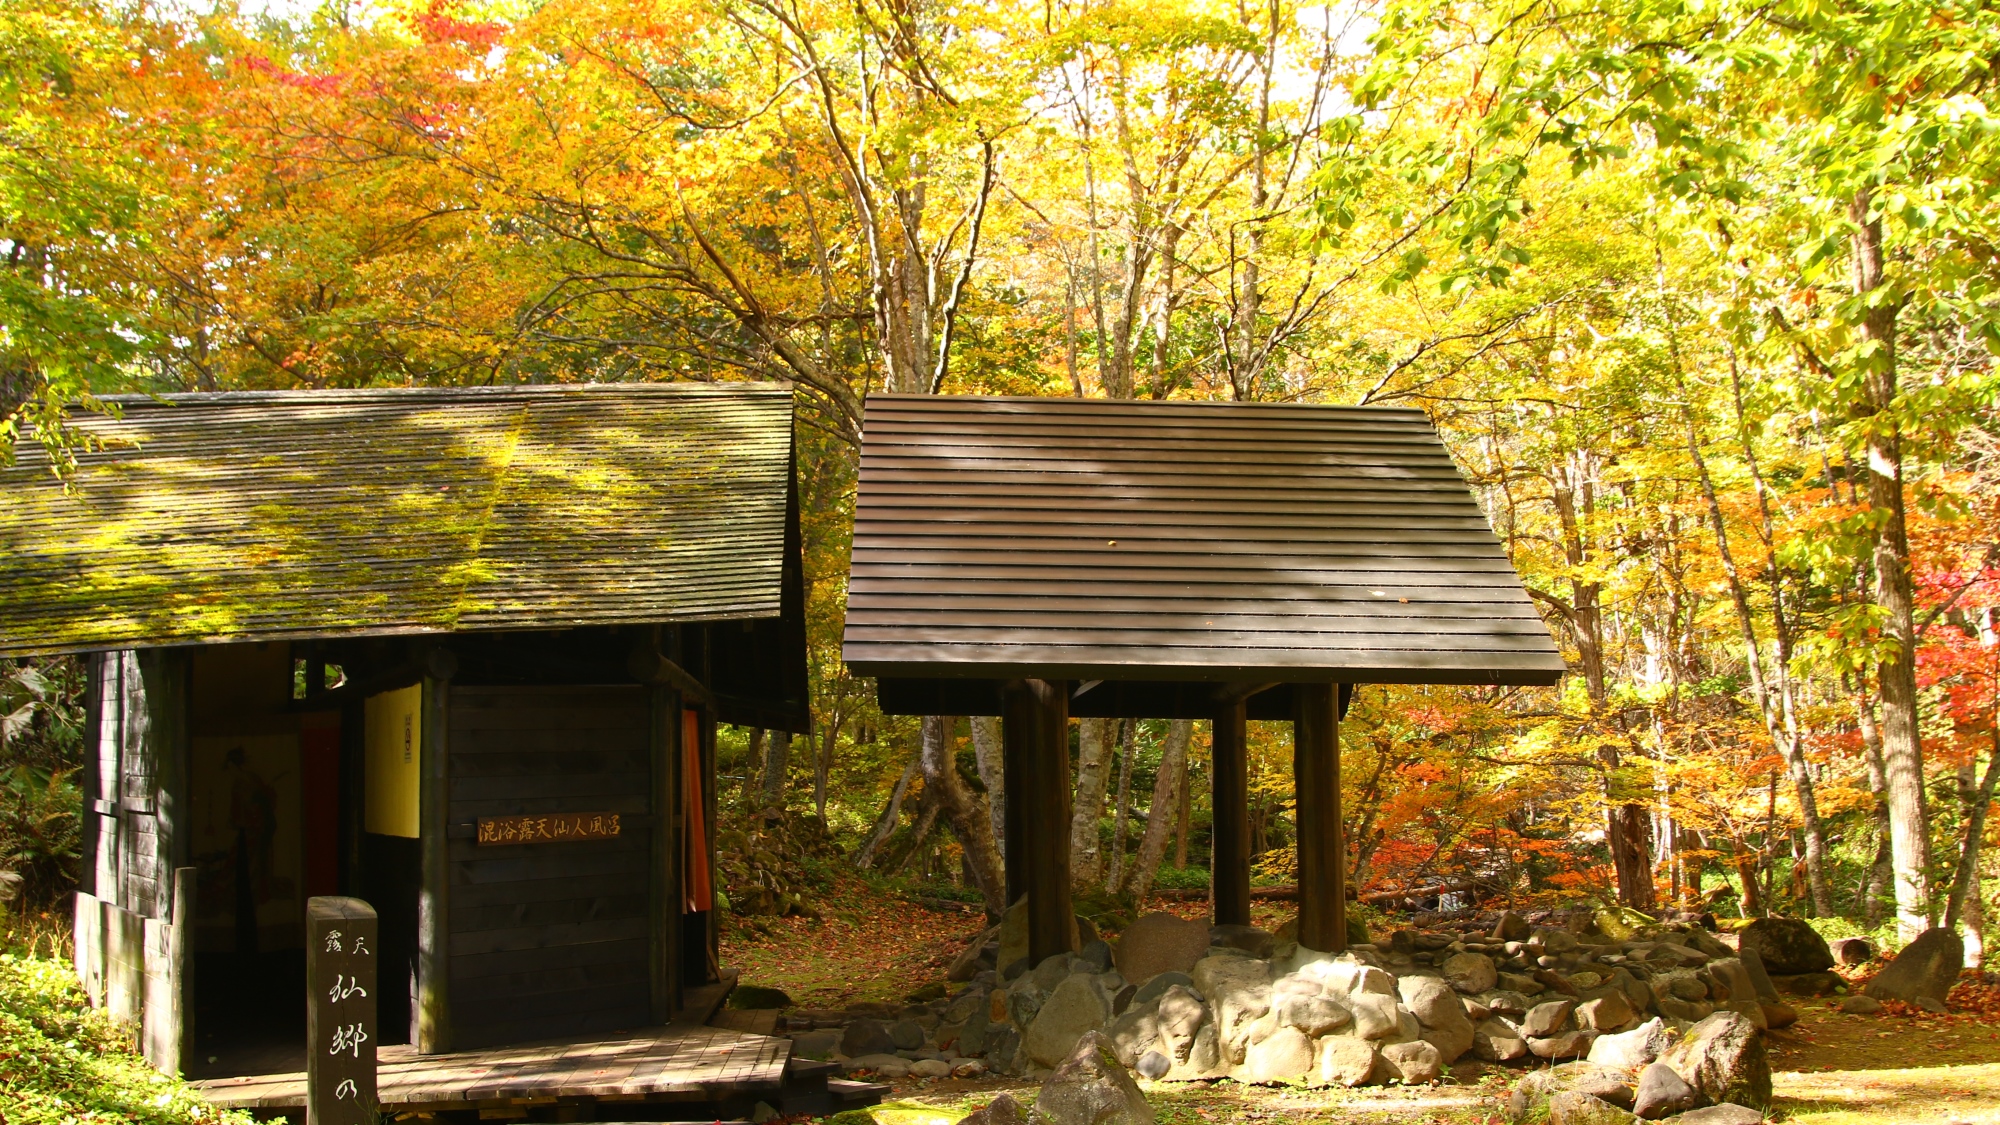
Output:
x=684 y=1061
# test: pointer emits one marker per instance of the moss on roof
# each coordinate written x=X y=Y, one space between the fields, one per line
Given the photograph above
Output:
x=265 y=515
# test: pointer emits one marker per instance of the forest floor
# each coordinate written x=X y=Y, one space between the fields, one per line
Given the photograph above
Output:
x=1831 y=1069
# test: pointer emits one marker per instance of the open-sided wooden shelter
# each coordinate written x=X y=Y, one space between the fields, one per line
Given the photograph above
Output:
x=1043 y=558
x=458 y=652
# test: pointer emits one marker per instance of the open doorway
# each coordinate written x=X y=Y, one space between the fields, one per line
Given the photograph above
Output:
x=273 y=784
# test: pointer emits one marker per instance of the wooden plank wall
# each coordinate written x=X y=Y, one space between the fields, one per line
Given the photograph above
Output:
x=548 y=939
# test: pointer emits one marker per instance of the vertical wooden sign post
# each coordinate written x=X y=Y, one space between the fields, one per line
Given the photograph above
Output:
x=341 y=953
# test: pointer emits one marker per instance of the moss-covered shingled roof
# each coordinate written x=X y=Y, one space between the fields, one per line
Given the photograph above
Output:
x=290 y=514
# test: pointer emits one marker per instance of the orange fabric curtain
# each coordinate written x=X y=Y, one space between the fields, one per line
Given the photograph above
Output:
x=698 y=892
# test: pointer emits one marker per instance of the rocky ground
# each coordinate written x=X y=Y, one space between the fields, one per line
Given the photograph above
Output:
x=1430 y=1013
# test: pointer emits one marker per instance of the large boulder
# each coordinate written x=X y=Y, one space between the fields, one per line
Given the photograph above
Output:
x=1002 y=1110
x=1375 y=1017
x=1496 y=1039
x=1412 y=1064
x=1632 y=1049
x=1343 y=1061
x=966 y=965
x=1440 y=1013
x=1723 y=1057
x=1159 y=943
x=1760 y=978
x=1238 y=990
x=1470 y=972
x=1926 y=968
x=1076 y=1007
x=1663 y=1093
x=1575 y=1108
x=1533 y=1092
x=1512 y=927
x=1092 y=1087
x=866 y=1037
x=1787 y=945
x=1283 y=1056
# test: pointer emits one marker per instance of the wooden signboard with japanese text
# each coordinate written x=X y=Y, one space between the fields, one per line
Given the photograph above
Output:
x=341 y=949
x=547 y=829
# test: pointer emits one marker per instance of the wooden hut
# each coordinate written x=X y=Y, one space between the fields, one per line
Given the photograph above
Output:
x=458 y=652
x=1045 y=558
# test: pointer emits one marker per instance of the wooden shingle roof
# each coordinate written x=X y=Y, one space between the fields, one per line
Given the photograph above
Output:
x=1090 y=539
x=291 y=514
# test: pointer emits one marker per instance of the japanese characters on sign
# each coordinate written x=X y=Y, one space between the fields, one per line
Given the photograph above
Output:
x=341 y=949
x=550 y=828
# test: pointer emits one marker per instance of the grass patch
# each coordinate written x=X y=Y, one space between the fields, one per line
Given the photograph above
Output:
x=62 y=1061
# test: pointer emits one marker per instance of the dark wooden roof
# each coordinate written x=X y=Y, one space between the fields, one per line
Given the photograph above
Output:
x=291 y=514
x=1090 y=539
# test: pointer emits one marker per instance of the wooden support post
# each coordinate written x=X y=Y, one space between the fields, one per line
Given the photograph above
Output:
x=342 y=948
x=664 y=893
x=1322 y=857
x=1017 y=730
x=1040 y=709
x=430 y=1014
x=1229 y=855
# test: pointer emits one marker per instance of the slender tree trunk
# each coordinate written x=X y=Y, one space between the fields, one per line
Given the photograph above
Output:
x=753 y=766
x=1122 y=807
x=777 y=751
x=1976 y=798
x=1768 y=705
x=965 y=812
x=885 y=824
x=986 y=746
x=1086 y=847
x=1184 y=819
x=1902 y=745
x=927 y=815
x=1751 y=903
x=1169 y=789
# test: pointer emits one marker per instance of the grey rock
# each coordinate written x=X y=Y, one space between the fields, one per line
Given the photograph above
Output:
x=1313 y=1015
x=1750 y=1010
x=1285 y=1055
x=968 y=1068
x=1375 y=1017
x=1723 y=1057
x=1503 y=1002
x=1411 y=1064
x=1928 y=966
x=1002 y=1045
x=819 y=1045
x=1470 y=972
x=1535 y=1089
x=1076 y=1007
x=1718 y=1115
x=1497 y=1040
x=1002 y=1110
x=1562 y=1045
x=1576 y=1108
x=1512 y=927
x=1760 y=978
x=893 y=1066
x=866 y=1037
x=1663 y=1092
x=1343 y=1061
x=1860 y=1005
x=1734 y=979
x=1808 y=984
x=930 y=1068
x=1239 y=992
x=1787 y=945
x=1446 y=1026
x=1544 y=1020
x=961 y=1007
x=1123 y=999
x=1153 y=1066
x=1258 y=943
x=966 y=964
x=1055 y=969
x=762 y=1112
x=1609 y=1012
x=1098 y=954
x=1092 y=1087
x=1135 y=1032
x=1632 y=1049
x=907 y=1035
x=1156 y=986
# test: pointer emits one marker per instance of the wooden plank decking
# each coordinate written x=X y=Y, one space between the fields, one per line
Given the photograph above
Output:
x=684 y=1061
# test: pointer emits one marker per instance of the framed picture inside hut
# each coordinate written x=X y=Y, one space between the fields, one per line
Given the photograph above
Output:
x=392 y=762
